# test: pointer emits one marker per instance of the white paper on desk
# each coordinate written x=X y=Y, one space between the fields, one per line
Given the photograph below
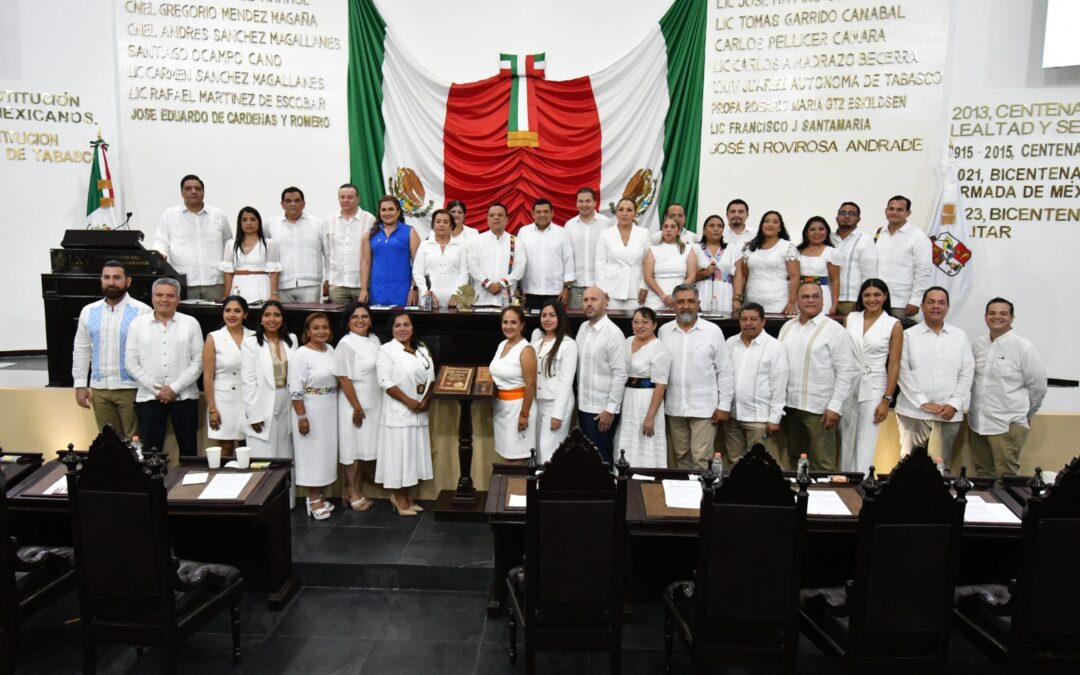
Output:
x=972 y=498
x=985 y=512
x=638 y=476
x=195 y=478
x=225 y=486
x=682 y=494
x=57 y=488
x=826 y=503
x=517 y=502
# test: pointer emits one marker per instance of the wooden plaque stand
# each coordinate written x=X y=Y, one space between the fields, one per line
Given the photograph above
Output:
x=463 y=384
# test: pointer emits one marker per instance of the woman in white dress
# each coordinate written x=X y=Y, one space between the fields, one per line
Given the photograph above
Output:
x=667 y=264
x=513 y=369
x=879 y=340
x=406 y=373
x=815 y=261
x=556 y=365
x=716 y=267
x=359 y=400
x=252 y=262
x=461 y=233
x=313 y=391
x=620 y=252
x=264 y=368
x=641 y=428
x=767 y=272
x=221 y=376
x=441 y=265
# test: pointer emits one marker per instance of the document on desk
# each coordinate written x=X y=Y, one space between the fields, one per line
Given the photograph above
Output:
x=57 y=489
x=682 y=494
x=225 y=486
x=826 y=503
x=985 y=512
x=195 y=478
x=517 y=502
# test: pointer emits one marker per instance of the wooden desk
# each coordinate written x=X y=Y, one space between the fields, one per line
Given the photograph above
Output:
x=24 y=465
x=254 y=534
x=664 y=548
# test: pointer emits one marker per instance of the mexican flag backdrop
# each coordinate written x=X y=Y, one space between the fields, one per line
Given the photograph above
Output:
x=633 y=128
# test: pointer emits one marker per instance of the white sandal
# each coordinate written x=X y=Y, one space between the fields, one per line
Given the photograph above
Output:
x=320 y=513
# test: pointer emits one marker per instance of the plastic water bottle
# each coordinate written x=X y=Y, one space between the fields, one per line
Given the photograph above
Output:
x=803 y=467
x=717 y=466
x=136 y=445
x=425 y=302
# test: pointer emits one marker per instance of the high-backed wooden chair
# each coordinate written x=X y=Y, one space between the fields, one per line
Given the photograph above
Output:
x=894 y=616
x=568 y=596
x=1033 y=625
x=131 y=588
x=30 y=578
x=742 y=607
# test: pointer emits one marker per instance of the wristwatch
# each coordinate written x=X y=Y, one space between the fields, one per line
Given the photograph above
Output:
x=887 y=398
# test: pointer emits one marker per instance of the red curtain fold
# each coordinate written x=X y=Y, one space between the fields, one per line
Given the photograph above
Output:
x=480 y=169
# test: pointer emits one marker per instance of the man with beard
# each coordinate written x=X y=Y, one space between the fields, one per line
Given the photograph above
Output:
x=737 y=231
x=100 y=344
x=584 y=229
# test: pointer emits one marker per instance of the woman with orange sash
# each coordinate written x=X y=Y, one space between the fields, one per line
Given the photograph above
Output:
x=513 y=369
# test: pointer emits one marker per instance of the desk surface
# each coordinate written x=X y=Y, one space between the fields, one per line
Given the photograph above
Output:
x=24 y=465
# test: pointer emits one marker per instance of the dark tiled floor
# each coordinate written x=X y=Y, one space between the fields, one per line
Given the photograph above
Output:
x=382 y=632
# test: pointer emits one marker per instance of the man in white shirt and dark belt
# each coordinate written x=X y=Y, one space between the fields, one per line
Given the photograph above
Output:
x=164 y=355
x=345 y=233
x=192 y=236
x=301 y=242
x=761 y=376
x=1009 y=387
x=100 y=347
x=904 y=255
x=584 y=229
x=855 y=253
x=601 y=373
x=496 y=261
x=550 y=272
x=821 y=372
x=699 y=391
x=936 y=371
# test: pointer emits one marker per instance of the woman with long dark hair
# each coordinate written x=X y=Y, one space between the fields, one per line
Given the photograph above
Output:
x=313 y=392
x=768 y=270
x=386 y=258
x=252 y=262
x=264 y=371
x=556 y=365
x=641 y=428
x=359 y=400
x=221 y=376
x=716 y=267
x=815 y=261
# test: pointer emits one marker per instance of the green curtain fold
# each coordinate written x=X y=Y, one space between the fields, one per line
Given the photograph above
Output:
x=684 y=27
x=367 y=34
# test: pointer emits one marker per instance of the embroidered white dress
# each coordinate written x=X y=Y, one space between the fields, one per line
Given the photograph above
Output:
x=312 y=380
x=715 y=291
x=404 y=445
x=652 y=361
x=767 y=275
x=669 y=270
x=262 y=258
x=507 y=373
x=355 y=358
x=227 y=387
x=858 y=433
x=816 y=268
x=554 y=393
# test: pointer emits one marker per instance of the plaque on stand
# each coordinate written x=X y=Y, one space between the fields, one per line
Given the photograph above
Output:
x=463 y=384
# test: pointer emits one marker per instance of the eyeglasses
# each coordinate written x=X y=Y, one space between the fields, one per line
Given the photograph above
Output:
x=847 y=213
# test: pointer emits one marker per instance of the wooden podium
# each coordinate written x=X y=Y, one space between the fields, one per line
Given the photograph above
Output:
x=463 y=384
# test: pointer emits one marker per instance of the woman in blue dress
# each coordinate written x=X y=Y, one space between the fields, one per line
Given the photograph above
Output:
x=386 y=259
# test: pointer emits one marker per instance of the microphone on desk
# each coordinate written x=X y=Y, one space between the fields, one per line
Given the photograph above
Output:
x=126 y=221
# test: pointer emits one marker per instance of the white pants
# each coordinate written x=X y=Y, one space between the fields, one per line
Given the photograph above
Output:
x=306 y=294
x=546 y=439
x=858 y=435
x=916 y=433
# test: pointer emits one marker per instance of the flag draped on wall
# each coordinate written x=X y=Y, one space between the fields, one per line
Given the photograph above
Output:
x=953 y=245
x=100 y=197
x=633 y=127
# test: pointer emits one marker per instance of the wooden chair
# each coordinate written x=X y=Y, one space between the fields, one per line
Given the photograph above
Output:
x=894 y=616
x=31 y=577
x=742 y=607
x=131 y=588
x=1033 y=626
x=568 y=596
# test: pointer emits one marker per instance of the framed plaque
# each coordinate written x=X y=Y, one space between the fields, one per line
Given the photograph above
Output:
x=454 y=379
x=484 y=385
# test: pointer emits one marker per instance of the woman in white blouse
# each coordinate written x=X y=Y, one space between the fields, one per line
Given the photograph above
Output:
x=359 y=400
x=313 y=391
x=716 y=267
x=641 y=429
x=620 y=252
x=667 y=264
x=768 y=270
x=221 y=376
x=879 y=342
x=252 y=262
x=461 y=233
x=441 y=265
x=815 y=261
x=556 y=365
x=264 y=368
x=406 y=373
x=513 y=369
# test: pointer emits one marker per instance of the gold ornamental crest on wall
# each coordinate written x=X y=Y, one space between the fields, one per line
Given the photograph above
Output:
x=641 y=188
x=409 y=190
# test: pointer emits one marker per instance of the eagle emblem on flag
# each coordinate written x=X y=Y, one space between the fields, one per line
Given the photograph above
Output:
x=950 y=254
x=410 y=193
